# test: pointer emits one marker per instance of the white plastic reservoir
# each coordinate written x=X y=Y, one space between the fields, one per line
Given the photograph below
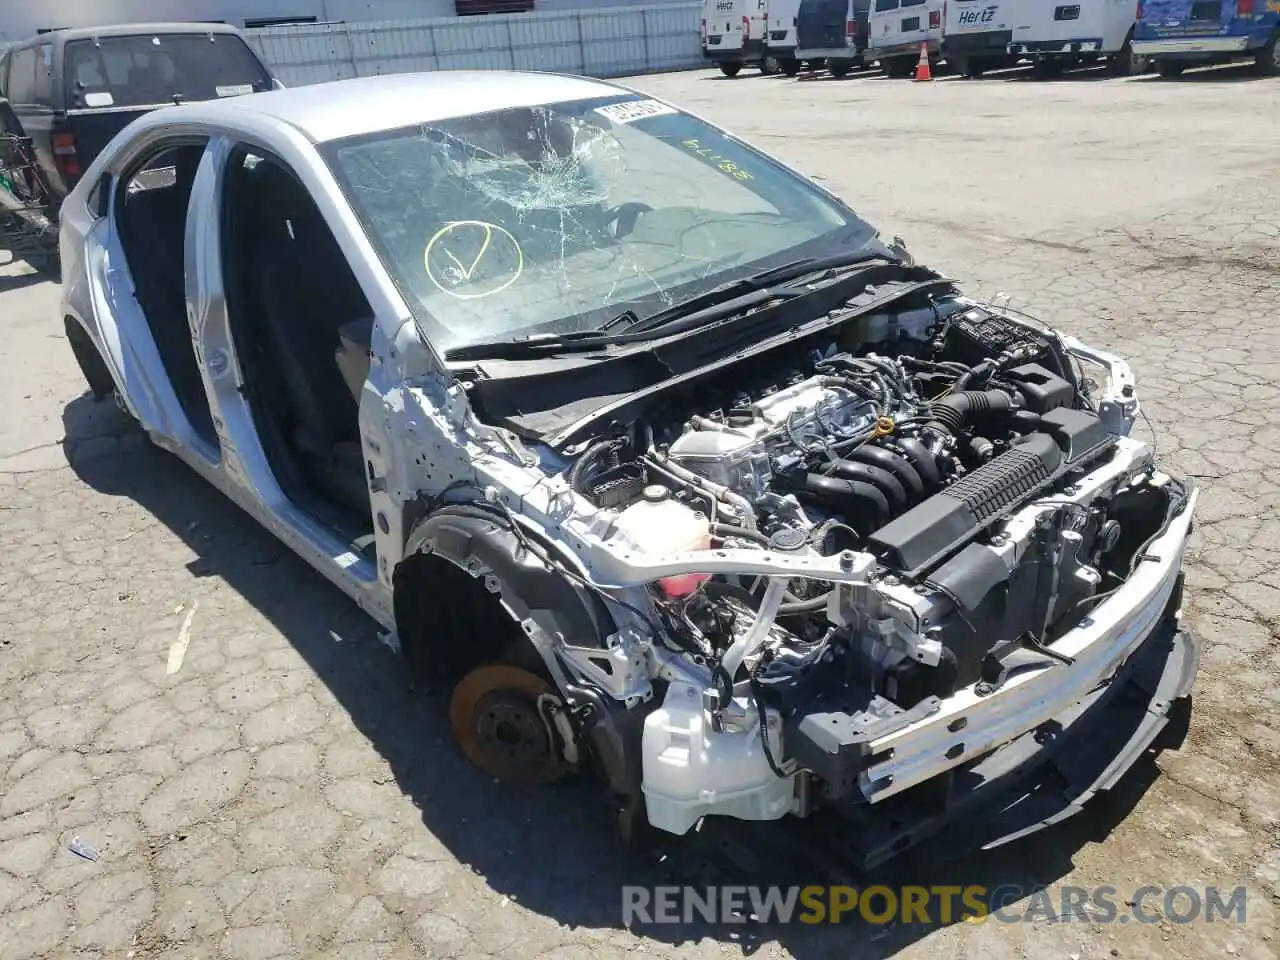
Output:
x=661 y=526
x=691 y=771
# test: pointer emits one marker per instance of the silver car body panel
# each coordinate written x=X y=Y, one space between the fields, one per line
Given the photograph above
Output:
x=409 y=398
x=411 y=404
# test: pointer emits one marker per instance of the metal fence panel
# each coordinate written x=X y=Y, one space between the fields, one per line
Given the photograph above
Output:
x=673 y=37
x=551 y=42
x=614 y=42
x=393 y=46
x=306 y=54
x=622 y=38
x=482 y=45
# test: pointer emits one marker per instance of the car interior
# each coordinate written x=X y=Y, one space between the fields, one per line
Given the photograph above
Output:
x=302 y=327
x=151 y=222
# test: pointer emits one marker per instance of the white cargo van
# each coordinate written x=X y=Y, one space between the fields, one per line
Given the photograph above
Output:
x=733 y=34
x=780 y=41
x=976 y=35
x=895 y=30
x=1054 y=35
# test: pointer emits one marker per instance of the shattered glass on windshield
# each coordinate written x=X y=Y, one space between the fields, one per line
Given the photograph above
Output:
x=556 y=218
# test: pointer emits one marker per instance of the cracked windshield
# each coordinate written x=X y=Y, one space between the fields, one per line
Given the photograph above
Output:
x=553 y=219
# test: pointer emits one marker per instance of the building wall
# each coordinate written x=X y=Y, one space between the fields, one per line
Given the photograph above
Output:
x=620 y=40
x=20 y=19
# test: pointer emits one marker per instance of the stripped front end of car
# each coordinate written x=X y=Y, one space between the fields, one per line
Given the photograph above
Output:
x=885 y=572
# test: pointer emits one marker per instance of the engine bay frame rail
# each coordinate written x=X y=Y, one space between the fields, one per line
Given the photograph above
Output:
x=975 y=724
x=1039 y=782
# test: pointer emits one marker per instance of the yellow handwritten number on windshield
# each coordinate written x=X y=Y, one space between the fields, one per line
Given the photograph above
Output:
x=465 y=253
x=719 y=162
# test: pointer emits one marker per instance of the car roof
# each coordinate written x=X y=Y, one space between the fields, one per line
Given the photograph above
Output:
x=121 y=30
x=349 y=108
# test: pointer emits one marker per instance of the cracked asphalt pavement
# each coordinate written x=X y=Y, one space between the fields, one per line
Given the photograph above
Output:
x=283 y=793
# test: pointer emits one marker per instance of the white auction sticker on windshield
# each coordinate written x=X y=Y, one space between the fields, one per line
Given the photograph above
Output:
x=634 y=110
x=235 y=90
x=98 y=98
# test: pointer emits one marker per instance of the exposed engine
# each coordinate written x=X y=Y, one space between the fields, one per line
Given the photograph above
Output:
x=955 y=451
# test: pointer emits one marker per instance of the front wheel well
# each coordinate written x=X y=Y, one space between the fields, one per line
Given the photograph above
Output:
x=471 y=584
x=449 y=622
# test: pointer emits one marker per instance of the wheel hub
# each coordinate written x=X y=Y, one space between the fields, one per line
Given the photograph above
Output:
x=496 y=719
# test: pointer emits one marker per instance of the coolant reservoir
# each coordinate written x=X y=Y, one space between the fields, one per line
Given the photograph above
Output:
x=660 y=525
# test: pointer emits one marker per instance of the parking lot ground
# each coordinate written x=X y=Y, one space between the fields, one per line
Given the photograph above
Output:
x=283 y=793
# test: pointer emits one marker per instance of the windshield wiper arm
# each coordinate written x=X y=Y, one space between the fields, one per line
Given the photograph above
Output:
x=584 y=341
x=792 y=270
x=720 y=303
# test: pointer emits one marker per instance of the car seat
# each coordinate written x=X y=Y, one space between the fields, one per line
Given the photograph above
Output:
x=306 y=293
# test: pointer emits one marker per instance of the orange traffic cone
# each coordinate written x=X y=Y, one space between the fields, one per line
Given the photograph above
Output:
x=923 y=72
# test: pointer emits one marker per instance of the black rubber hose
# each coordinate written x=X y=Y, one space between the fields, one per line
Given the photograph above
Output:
x=850 y=384
x=891 y=462
x=812 y=605
x=723 y=530
x=924 y=462
x=865 y=508
x=578 y=473
x=945 y=674
x=887 y=367
x=953 y=411
x=895 y=493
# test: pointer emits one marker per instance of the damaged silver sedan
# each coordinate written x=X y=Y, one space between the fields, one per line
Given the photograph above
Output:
x=648 y=448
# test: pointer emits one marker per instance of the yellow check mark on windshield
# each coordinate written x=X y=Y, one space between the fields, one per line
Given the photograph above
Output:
x=461 y=275
x=484 y=247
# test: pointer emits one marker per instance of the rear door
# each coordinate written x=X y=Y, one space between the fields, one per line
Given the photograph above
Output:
x=758 y=22
x=727 y=24
x=903 y=23
x=973 y=17
x=782 y=23
x=823 y=24
x=111 y=81
x=1058 y=21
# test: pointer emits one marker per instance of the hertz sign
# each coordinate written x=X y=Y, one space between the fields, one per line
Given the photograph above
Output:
x=970 y=18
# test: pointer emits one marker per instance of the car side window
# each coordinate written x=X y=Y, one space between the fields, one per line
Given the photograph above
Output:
x=22 y=77
x=99 y=199
x=158 y=173
x=42 y=88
